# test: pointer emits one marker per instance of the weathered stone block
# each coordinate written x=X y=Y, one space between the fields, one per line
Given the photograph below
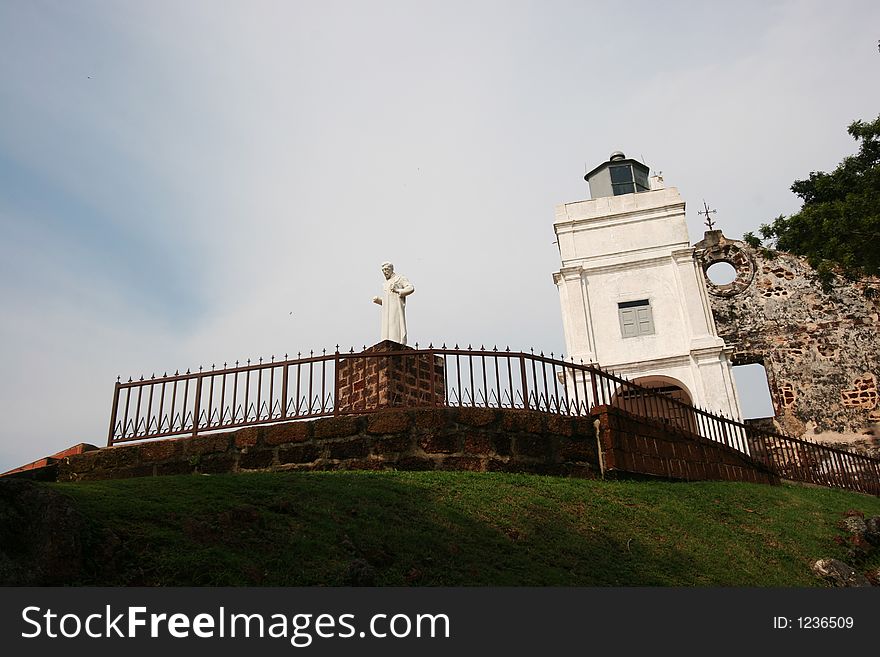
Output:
x=80 y=462
x=336 y=427
x=174 y=468
x=502 y=444
x=430 y=418
x=289 y=432
x=210 y=444
x=299 y=454
x=560 y=425
x=386 y=422
x=115 y=458
x=476 y=417
x=160 y=451
x=392 y=444
x=528 y=421
x=533 y=446
x=256 y=459
x=246 y=437
x=496 y=465
x=130 y=473
x=578 y=450
x=839 y=573
x=217 y=463
x=440 y=443
x=348 y=449
x=478 y=443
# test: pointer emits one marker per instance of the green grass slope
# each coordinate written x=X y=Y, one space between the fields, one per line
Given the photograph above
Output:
x=456 y=528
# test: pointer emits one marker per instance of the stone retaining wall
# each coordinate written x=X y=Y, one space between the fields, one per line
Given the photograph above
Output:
x=472 y=439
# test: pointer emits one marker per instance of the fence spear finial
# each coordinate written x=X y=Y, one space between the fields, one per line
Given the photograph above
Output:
x=118 y=378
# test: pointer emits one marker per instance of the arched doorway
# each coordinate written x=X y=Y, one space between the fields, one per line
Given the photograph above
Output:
x=660 y=398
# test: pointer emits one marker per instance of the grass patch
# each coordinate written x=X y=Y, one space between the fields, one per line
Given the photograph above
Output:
x=457 y=528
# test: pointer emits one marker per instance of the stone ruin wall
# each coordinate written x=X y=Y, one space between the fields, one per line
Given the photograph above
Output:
x=821 y=350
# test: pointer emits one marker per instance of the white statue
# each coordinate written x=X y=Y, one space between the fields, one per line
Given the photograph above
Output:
x=393 y=301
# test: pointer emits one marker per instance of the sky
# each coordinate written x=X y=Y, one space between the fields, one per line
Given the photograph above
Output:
x=187 y=184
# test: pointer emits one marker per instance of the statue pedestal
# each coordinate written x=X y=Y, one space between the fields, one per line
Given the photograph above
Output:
x=385 y=376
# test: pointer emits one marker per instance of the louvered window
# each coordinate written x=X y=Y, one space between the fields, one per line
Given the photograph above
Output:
x=635 y=318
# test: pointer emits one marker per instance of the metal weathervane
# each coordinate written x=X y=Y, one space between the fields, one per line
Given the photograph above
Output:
x=706 y=211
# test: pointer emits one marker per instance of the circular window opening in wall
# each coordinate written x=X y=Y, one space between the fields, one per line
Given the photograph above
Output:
x=721 y=273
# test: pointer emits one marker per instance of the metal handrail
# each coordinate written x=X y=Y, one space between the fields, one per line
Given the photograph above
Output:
x=308 y=387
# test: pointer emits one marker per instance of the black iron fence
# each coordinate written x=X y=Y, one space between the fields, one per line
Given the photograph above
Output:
x=309 y=386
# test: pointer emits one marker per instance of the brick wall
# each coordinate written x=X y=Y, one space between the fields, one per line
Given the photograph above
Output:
x=369 y=380
x=636 y=445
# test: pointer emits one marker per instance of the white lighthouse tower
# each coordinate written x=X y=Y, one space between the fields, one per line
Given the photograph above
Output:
x=633 y=297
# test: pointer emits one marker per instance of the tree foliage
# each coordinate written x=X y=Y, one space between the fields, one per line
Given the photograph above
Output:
x=838 y=227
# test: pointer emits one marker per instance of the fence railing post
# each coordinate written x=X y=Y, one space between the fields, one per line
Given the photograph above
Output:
x=197 y=405
x=595 y=386
x=525 y=384
x=284 y=390
x=335 y=381
x=113 y=414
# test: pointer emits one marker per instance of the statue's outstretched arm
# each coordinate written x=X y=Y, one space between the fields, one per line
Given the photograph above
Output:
x=377 y=300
